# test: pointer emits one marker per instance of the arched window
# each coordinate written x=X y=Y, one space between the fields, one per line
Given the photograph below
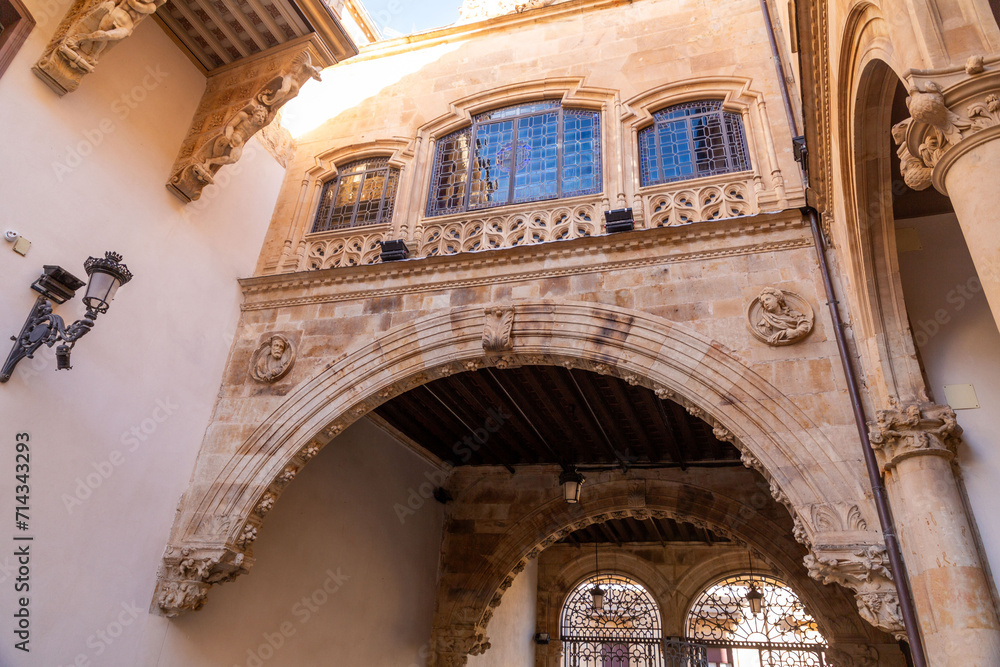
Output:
x=522 y=153
x=622 y=631
x=362 y=193
x=780 y=634
x=690 y=141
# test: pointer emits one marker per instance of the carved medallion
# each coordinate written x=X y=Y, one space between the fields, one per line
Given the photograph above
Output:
x=777 y=317
x=272 y=360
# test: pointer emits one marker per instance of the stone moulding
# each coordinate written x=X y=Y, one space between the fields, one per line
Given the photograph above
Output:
x=228 y=494
x=88 y=30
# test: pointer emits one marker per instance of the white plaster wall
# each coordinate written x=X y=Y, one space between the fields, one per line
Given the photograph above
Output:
x=512 y=629
x=334 y=538
x=153 y=363
x=959 y=343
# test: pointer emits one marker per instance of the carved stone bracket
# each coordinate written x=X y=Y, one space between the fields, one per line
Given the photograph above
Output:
x=921 y=429
x=852 y=655
x=453 y=646
x=865 y=570
x=188 y=573
x=239 y=101
x=940 y=120
x=87 y=31
x=497 y=330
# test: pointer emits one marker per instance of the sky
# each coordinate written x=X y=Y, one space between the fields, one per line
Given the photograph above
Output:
x=402 y=17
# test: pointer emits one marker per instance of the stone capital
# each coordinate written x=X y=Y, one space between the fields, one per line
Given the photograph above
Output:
x=188 y=573
x=852 y=655
x=917 y=429
x=453 y=645
x=863 y=568
x=944 y=124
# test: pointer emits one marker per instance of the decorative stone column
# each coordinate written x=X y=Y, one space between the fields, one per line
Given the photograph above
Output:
x=915 y=444
x=952 y=141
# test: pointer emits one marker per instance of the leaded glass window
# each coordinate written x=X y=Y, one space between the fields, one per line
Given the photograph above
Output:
x=690 y=141
x=522 y=153
x=781 y=634
x=363 y=193
x=625 y=631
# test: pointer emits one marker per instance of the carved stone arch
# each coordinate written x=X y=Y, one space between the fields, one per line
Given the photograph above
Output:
x=738 y=96
x=466 y=603
x=867 y=86
x=234 y=485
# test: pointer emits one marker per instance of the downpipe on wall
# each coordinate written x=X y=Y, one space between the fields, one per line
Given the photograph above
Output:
x=900 y=577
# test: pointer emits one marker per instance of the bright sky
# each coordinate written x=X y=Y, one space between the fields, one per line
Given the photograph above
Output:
x=403 y=17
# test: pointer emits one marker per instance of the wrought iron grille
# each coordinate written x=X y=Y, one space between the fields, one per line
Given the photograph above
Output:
x=690 y=141
x=678 y=653
x=363 y=193
x=624 y=632
x=528 y=152
x=782 y=634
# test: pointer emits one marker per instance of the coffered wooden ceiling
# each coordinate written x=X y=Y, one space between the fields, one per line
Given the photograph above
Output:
x=554 y=416
x=645 y=531
x=219 y=32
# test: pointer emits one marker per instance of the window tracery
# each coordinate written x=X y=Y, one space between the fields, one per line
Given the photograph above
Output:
x=692 y=140
x=522 y=153
x=781 y=634
x=363 y=193
x=623 y=631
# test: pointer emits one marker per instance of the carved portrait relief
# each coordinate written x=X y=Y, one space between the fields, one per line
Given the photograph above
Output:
x=272 y=360
x=778 y=317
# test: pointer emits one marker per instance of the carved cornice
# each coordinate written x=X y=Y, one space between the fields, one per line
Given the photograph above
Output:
x=501 y=266
x=944 y=124
x=922 y=429
x=865 y=570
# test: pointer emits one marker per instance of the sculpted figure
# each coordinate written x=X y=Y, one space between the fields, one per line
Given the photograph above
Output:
x=288 y=86
x=272 y=360
x=779 y=323
x=227 y=148
x=116 y=21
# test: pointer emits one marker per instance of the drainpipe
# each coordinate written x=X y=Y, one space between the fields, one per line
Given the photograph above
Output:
x=900 y=578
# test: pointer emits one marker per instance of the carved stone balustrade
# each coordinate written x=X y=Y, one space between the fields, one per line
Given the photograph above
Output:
x=713 y=198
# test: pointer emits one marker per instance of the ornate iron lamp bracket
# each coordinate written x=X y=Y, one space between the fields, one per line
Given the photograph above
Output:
x=43 y=327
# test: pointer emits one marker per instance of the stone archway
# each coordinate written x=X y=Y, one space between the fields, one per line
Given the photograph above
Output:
x=235 y=485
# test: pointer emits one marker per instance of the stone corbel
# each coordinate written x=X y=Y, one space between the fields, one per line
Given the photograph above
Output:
x=917 y=429
x=943 y=123
x=240 y=101
x=87 y=31
x=865 y=570
x=188 y=573
x=453 y=646
x=852 y=655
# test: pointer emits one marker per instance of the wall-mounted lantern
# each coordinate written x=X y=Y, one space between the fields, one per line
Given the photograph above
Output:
x=43 y=327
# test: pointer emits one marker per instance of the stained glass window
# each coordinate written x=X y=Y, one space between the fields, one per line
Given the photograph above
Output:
x=522 y=153
x=362 y=193
x=690 y=141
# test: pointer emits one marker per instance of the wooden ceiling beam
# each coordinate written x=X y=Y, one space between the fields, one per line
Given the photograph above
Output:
x=468 y=429
x=247 y=24
x=217 y=19
x=200 y=28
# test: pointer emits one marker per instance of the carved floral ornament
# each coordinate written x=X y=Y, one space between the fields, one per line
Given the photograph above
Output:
x=272 y=360
x=933 y=129
x=498 y=328
x=778 y=317
x=923 y=429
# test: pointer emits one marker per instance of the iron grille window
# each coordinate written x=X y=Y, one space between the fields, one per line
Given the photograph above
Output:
x=624 y=632
x=528 y=152
x=781 y=634
x=361 y=194
x=690 y=141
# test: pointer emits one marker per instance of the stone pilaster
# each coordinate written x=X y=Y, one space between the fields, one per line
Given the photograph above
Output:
x=240 y=101
x=952 y=141
x=88 y=30
x=915 y=444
